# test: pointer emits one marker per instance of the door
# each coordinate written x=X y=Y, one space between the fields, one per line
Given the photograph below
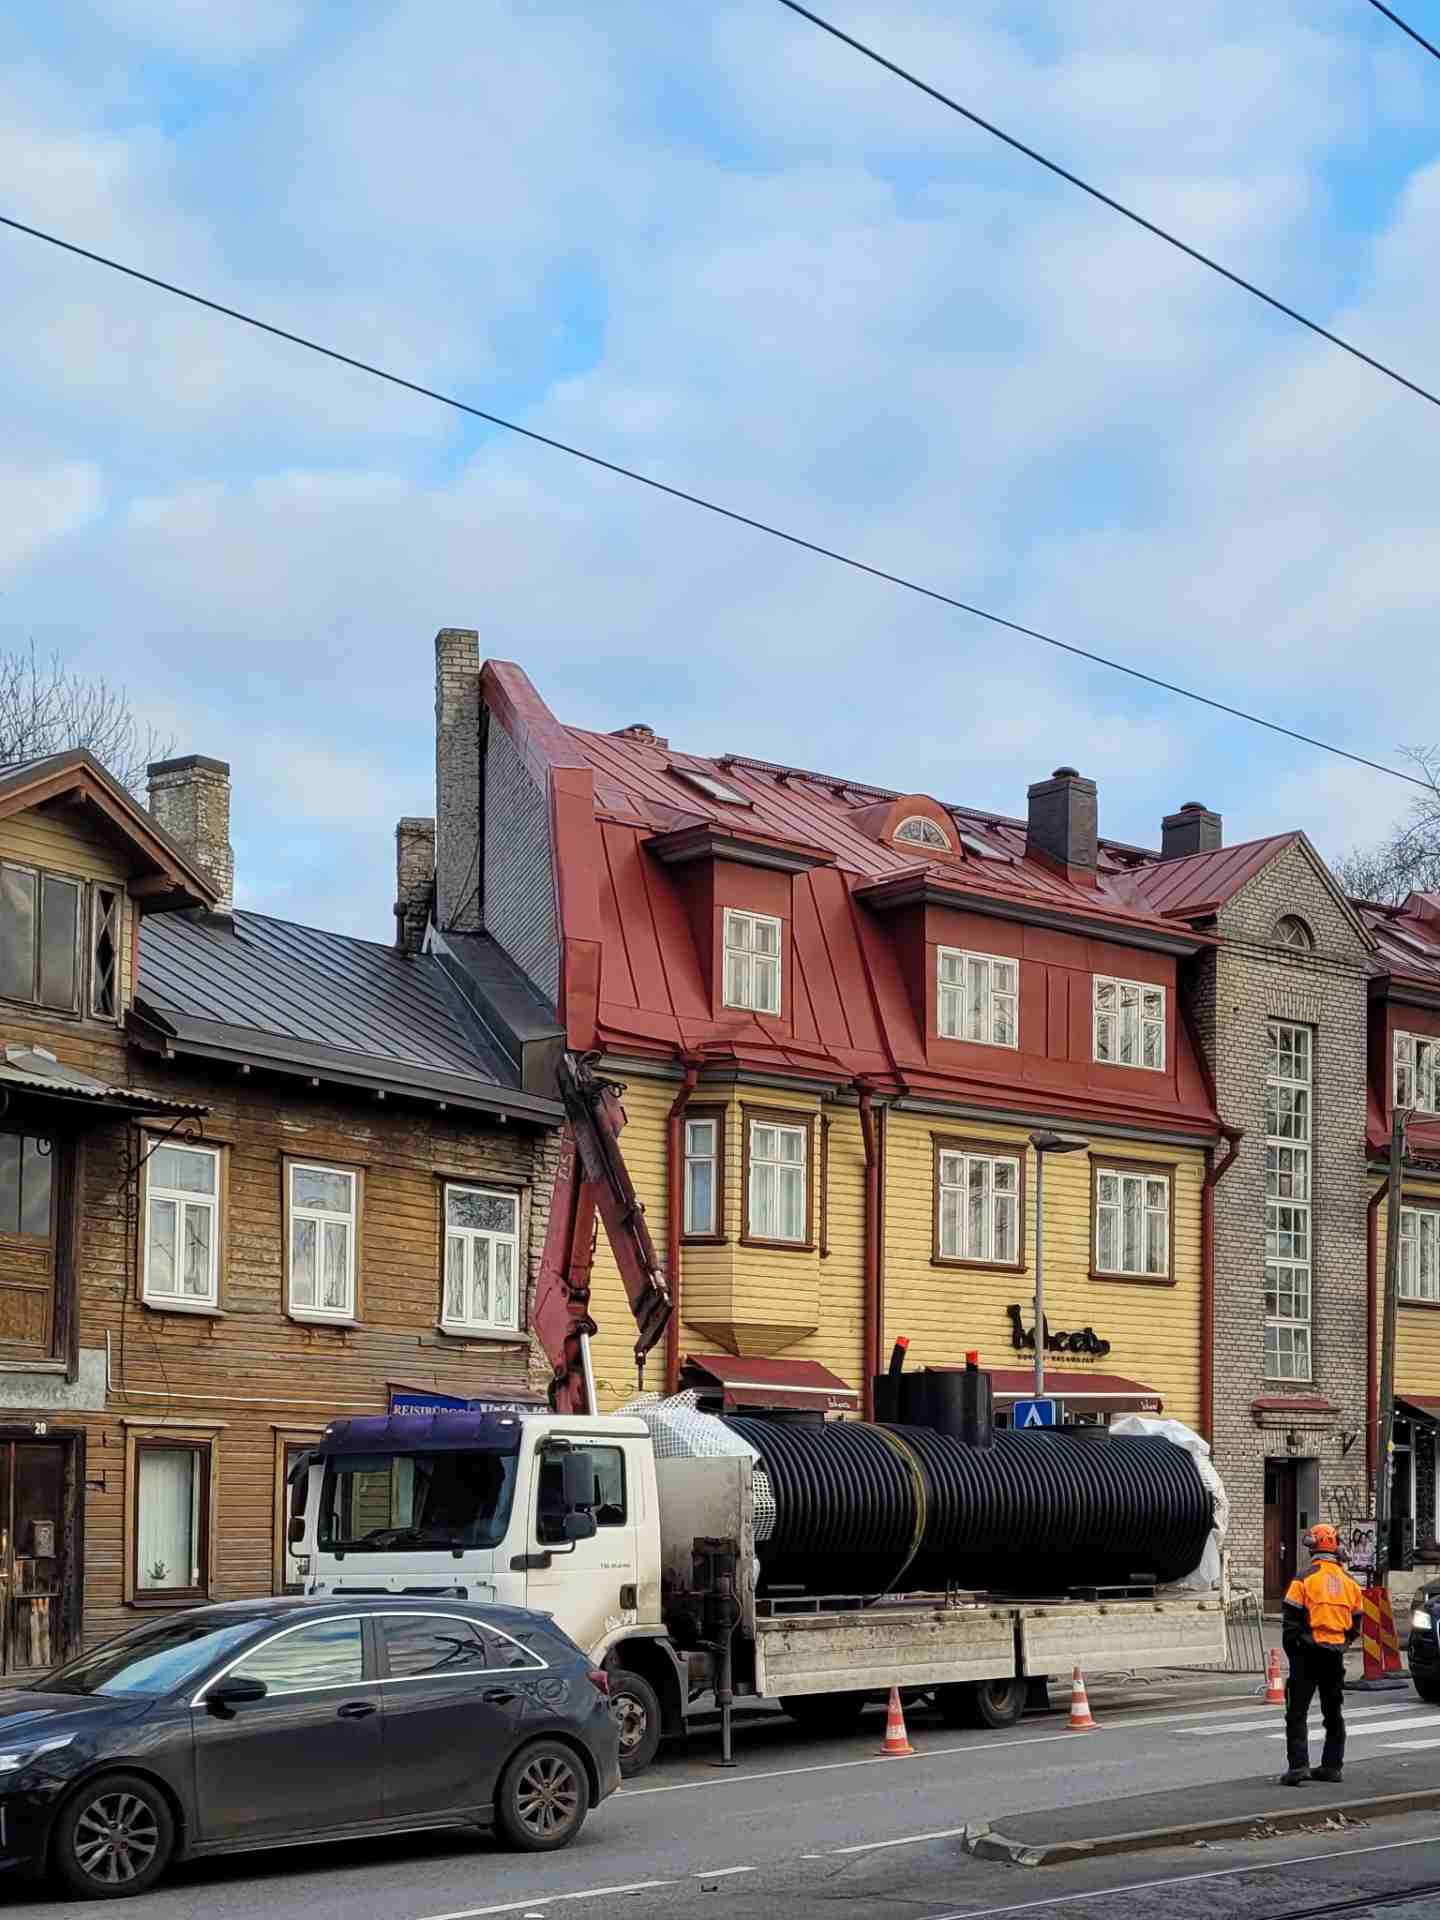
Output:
x=590 y=1584
x=1280 y=1531
x=307 y=1757
x=36 y=1493
x=456 y=1699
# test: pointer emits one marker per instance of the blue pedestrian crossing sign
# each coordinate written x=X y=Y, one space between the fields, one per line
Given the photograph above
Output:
x=1035 y=1413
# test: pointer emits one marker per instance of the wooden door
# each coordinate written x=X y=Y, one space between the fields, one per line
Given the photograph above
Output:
x=35 y=1533
x=1280 y=1526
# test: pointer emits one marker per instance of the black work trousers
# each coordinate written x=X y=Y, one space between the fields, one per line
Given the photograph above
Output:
x=1315 y=1669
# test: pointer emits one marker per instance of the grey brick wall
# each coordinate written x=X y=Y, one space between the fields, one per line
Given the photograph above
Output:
x=519 y=871
x=1232 y=994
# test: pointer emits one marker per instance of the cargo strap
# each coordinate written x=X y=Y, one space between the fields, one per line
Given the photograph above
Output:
x=922 y=1508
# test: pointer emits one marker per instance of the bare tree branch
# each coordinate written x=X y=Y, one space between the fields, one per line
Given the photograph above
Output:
x=45 y=708
x=1407 y=860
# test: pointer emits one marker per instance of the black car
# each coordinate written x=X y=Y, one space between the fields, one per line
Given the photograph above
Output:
x=267 y=1723
x=1424 y=1650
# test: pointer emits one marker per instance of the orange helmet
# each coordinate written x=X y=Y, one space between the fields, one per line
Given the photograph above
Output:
x=1323 y=1538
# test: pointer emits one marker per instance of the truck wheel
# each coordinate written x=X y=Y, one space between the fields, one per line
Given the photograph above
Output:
x=635 y=1708
x=982 y=1703
x=832 y=1713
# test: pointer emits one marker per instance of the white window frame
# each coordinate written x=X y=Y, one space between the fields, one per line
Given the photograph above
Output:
x=927 y=827
x=452 y=1323
x=739 y=940
x=321 y=1217
x=1419 y=1250
x=952 y=996
x=689 y=1227
x=955 y=1170
x=1145 y=1180
x=184 y=1201
x=763 y=1164
x=1416 y=1071
x=1108 y=1024
x=1289 y=1192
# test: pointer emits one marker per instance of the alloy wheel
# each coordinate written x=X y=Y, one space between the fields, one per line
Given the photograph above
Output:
x=116 y=1838
x=547 y=1795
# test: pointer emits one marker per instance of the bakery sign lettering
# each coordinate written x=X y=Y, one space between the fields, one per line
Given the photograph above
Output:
x=1022 y=1338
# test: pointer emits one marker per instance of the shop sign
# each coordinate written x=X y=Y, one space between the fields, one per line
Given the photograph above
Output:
x=1086 y=1340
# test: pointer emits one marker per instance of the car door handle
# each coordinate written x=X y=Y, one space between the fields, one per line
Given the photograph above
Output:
x=356 y=1710
x=499 y=1696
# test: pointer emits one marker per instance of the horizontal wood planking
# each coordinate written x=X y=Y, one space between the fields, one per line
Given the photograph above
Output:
x=1417 y=1328
x=63 y=840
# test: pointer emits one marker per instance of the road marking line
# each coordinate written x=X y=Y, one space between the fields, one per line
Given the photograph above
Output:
x=1387 y=1726
x=910 y=1840
x=1409 y=1746
x=548 y=1900
x=722 y=1873
x=1257 y=1726
x=1184 y=1880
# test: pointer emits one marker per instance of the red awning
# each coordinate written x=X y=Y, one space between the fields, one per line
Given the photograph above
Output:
x=801 y=1386
x=1084 y=1392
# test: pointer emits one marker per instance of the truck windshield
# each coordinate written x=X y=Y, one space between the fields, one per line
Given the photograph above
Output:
x=372 y=1502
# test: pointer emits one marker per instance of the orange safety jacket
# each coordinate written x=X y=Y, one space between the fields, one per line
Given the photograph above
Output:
x=1329 y=1599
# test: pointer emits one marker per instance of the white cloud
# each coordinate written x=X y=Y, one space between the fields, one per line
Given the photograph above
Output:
x=41 y=504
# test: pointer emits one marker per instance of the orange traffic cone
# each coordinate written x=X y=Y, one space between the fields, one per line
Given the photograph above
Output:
x=896 y=1742
x=1081 y=1720
x=1274 y=1685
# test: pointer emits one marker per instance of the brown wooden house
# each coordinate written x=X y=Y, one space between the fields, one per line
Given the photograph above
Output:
x=252 y=1175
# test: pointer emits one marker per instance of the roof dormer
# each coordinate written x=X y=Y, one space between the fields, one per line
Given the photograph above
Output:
x=913 y=823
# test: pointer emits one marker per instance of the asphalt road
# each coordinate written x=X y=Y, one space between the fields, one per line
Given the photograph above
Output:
x=804 y=1828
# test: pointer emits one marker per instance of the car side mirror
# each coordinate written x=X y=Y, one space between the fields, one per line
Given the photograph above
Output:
x=234 y=1691
x=578 y=1526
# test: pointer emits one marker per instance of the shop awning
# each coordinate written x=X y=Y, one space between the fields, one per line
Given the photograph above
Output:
x=1081 y=1392
x=1421 y=1406
x=36 y=1071
x=797 y=1386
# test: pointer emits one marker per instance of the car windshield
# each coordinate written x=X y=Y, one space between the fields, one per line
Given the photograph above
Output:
x=153 y=1659
x=371 y=1502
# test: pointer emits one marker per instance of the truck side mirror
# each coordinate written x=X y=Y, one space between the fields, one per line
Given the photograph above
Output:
x=578 y=1526
x=296 y=1534
x=577 y=1479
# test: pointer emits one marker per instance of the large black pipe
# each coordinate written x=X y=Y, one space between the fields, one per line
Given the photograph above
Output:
x=862 y=1509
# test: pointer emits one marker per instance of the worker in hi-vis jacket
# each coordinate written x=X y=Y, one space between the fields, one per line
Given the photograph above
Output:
x=1321 y=1617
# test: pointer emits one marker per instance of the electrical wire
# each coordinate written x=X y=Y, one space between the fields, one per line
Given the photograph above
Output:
x=1404 y=27
x=1116 y=206
x=711 y=506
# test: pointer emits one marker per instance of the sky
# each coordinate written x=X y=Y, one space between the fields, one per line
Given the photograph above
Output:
x=710 y=242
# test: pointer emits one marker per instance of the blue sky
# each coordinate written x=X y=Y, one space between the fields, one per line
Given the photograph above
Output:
x=710 y=242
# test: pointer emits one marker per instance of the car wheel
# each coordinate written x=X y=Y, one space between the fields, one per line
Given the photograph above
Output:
x=1428 y=1689
x=544 y=1798
x=114 y=1837
x=635 y=1709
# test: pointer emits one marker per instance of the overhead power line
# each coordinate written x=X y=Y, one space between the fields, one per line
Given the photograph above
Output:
x=699 y=500
x=1116 y=206
x=1404 y=27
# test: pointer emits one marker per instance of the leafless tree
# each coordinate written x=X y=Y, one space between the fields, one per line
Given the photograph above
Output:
x=1407 y=860
x=45 y=708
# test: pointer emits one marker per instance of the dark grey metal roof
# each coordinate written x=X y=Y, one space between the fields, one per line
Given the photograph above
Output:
x=250 y=987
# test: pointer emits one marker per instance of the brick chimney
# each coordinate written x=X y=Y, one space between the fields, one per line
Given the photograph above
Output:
x=1063 y=826
x=1194 y=829
x=414 y=881
x=190 y=798
x=457 y=779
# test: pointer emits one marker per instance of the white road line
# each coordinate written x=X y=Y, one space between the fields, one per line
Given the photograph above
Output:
x=910 y=1840
x=723 y=1873
x=1386 y=1726
x=1259 y=1726
x=1184 y=1880
x=548 y=1900
x=1409 y=1746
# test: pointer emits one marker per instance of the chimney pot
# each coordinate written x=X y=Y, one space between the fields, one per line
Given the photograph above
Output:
x=190 y=798
x=414 y=882
x=1194 y=829
x=1063 y=826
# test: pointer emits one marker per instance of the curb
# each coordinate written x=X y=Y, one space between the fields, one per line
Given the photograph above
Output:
x=986 y=1844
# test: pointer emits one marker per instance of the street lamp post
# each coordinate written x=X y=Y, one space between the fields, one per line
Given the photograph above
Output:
x=1045 y=1143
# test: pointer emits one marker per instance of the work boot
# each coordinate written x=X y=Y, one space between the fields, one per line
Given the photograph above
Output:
x=1296 y=1777
x=1333 y=1774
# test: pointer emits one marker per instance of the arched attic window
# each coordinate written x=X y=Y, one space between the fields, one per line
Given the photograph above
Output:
x=921 y=832
x=1292 y=931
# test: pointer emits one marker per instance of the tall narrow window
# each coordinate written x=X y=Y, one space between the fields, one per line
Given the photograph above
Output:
x=752 y=961
x=778 y=1186
x=1288 y=1120
x=322 y=1204
x=1417 y=1072
x=27 y=1245
x=1132 y=1223
x=172 y=1495
x=40 y=938
x=977 y=1213
x=703 y=1214
x=105 y=952
x=1419 y=1253
x=976 y=997
x=482 y=1261
x=1129 y=1023
x=182 y=1226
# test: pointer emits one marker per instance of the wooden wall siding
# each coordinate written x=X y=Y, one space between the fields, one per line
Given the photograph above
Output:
x=63 y=840
x=1417 y=1328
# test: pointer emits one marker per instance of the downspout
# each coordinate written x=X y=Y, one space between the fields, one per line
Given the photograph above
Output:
x=874 y=1306
x=674 y=1210
x=1372 y=1337
x=1214 y=1174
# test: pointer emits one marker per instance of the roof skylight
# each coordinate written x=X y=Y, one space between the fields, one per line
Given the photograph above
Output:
x=707 y=784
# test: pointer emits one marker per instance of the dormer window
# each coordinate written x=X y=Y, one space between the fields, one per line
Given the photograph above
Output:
x=976 y=997
x=39 y=938
x=752 y=961
x=1417 y=1072
x=921 y=832
x=1129 y=1023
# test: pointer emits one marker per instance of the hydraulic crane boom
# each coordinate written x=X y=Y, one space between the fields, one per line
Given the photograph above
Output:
x=593 y=1179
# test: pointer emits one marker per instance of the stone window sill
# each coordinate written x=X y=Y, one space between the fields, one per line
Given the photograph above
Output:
x=303 y=1319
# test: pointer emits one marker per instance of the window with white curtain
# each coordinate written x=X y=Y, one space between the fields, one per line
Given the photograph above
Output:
x=1132 y=1223
x=978 y=1207
x=171 y=1498
x=182 y=1226
x=1419 y=1253
x=1417 y=1072
x=752 y=961
x=482 y=1260
x=1129 y=1023
x=976 y=997
x=778 y=1197
x=322 y=1204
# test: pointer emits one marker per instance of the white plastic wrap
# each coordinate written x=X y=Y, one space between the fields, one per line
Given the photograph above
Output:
x=1207 y=1575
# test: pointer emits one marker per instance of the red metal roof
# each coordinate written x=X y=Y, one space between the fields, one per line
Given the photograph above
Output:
x=1407 y=938
x=803 y=1385
x=1111 y=1390
x=1202 y=881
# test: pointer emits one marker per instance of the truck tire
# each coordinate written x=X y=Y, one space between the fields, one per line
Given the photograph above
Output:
x=822 y=1713
x=635 y=1708
x=982 y=1703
